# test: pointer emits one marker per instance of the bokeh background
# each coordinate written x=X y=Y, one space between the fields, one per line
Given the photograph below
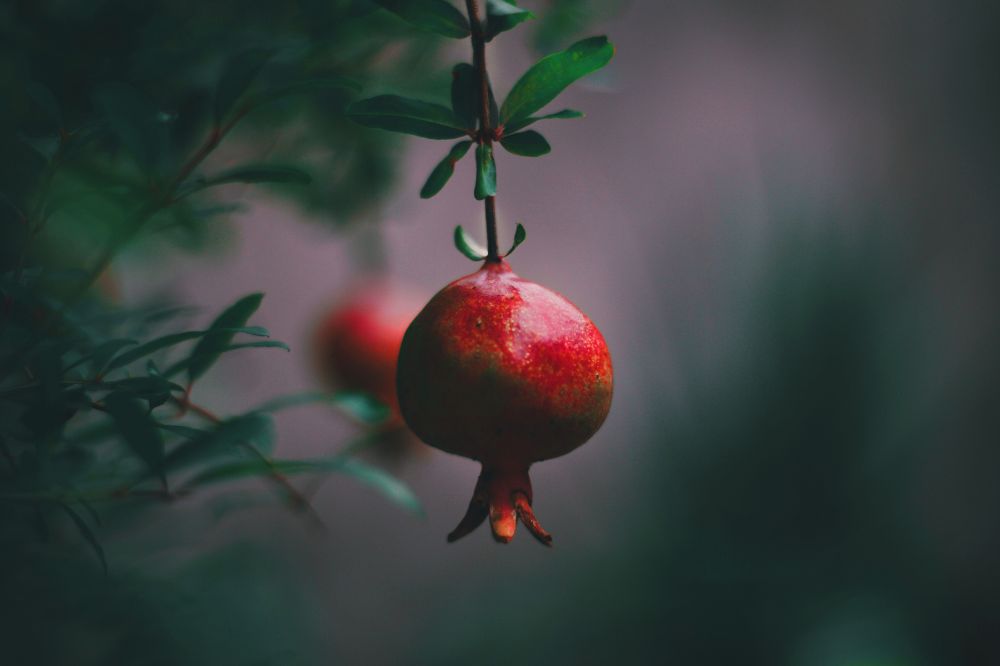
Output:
x=782 y=215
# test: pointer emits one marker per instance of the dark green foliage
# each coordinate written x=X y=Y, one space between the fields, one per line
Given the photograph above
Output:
x=137 y=429
x=444 y=170
x=528 y=143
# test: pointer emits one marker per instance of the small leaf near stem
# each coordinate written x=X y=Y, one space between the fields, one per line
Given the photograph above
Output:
x=444 y=170
x=527 y=144
x=486 y=171
x=510 y=128
x=519 y=235
x=467 y=246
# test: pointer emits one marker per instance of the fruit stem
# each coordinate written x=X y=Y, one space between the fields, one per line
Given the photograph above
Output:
x=485 y=126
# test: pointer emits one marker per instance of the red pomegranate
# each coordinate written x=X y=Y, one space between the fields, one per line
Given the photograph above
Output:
x=503 y=371
x=357 y=343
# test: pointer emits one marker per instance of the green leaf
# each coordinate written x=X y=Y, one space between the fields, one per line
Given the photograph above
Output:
x=410 y=116
x=394 y=489
x=521 y=124
x=211 y=345
x=529 y=144
x=166 y=341
x=502 y=16
x=184 y=431
x=134 y=120
x=139 y=387
x=486 y=172
x=237 y=75
x=391 y=487
x=87 y=534
x=444 y=170
x=552 y=74
x=138 y=429
x=519 y=235
x=432 y=15
x=195 y=360
x=360 y=406
x=464 y=94
x=100 y=357
x=467 y=246
x=224 y=438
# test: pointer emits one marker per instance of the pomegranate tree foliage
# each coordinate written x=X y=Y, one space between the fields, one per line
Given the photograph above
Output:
x=113 y=112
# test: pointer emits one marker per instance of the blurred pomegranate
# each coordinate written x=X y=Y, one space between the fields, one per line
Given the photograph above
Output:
x=356 y=344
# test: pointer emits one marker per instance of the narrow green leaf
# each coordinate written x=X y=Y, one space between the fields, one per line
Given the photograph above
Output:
x=486 y=172
x=552 y=74
x=139 y=387
x=184 y=431
x=211 y=345
x=436 y=16
x=409 y=116
x=359 y=406
x=104 y=352
x=166 y=341
x=502 y=16
x=444 y=170
x=237 y=75
x=87 y=534
x=510 y=128
x=528 y=143
x=224 y=438
x=394 y=489
x=195 y=360
x=519 y=235
x=138 y=430
x=464 y=94
x=467 y=246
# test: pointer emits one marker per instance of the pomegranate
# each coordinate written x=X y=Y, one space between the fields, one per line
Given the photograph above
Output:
x=357 y=343
x=508 y=373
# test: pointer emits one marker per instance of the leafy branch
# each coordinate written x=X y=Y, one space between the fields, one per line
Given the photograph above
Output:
x=474 y=112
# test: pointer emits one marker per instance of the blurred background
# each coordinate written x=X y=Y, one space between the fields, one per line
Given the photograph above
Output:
x=783 y=219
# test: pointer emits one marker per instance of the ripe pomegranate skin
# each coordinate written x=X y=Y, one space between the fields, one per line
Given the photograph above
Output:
x=503 y=371
x=357 y=342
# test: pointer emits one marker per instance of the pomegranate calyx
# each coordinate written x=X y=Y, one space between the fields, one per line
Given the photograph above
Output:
x=503 y=496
